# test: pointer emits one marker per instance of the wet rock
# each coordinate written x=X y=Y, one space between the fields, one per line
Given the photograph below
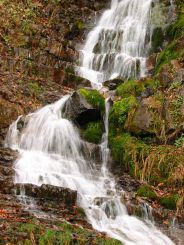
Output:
x=48 y=192
x=92 y=152
x=80 y=111
x=112 y=84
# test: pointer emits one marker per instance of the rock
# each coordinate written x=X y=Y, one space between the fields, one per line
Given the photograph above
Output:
x=150 y=63
x=112 y=84
x=138 y=123
x=127 y=183
x=80 y=111
x=92 y=152
x=7 y=157
x=48 y=193
x=75 y=82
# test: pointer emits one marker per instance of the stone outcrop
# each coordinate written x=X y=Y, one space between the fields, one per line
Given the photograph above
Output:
x=48 y=193
x=80 y=111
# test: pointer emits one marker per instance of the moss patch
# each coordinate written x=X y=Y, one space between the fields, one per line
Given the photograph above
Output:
x=146 y=191
x=94 y=98
x=170 y=201
x=57 y=233
x=119 y=113
x=93 y=132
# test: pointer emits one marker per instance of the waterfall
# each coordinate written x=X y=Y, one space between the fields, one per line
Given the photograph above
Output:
x=50 y=153
x=119 y=44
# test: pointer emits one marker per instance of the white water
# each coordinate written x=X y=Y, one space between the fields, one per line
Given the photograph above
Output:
x=50 y=153
x=118 y=45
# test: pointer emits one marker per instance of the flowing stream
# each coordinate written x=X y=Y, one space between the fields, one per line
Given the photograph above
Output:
x=50 y=145
x=50 y=153
x=119 y=44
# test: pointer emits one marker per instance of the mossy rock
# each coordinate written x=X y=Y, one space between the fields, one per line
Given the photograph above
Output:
x=93 y=132
x=129 y=88
x=143 y=88
x=125 y=149
x=94 y=98
x=170 y=201
x=119 y=112
x=146 y=191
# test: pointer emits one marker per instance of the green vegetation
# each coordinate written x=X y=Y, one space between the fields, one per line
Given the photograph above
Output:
x=80 y=25
x=169 y=201
x=168 y=54
x=179 y=142
x=58 y=233
x=176 y=30
x=129 y=88
x=126 y=150
x=93 y=132
x=94 y=98
x=175 y=110
x=35 y=88
x=119 y=113
x=146 y=191
x=135 y=88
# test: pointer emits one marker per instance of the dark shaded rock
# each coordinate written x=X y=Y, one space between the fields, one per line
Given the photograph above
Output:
x=49 y=192
x=127 y=183
x=80 y=111
x=112 y=84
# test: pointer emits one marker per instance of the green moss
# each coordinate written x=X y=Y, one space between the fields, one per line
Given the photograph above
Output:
x=168 y=54
x=119 y=112
x=93 y=132
x=146 y=191
x=94 y=98
x=136 y=88
x=170 y=201
x=56 y=233
x=126 y=149
x=129 y=88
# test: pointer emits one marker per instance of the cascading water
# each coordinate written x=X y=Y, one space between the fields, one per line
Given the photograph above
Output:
x=119 y=44
x=50 y=153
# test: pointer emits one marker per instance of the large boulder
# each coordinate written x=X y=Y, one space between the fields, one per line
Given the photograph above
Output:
x=80 y=111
